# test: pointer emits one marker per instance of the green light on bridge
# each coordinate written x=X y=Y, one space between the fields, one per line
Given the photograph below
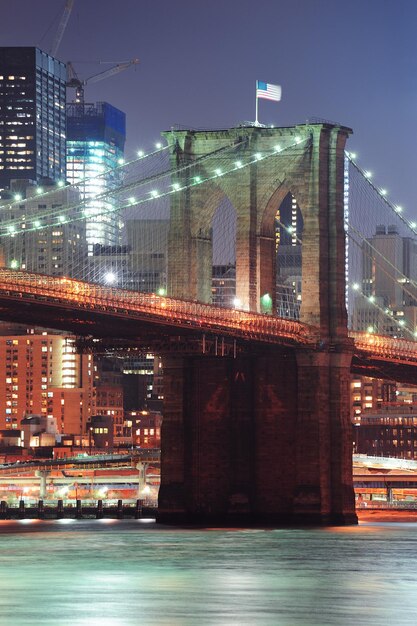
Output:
x=14 y=264
x=266 y=304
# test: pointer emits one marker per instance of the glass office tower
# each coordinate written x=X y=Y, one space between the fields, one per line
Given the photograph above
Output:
x=32 y=115
x=95 y=145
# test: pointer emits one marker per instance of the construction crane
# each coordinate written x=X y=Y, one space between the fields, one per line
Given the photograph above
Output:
x=62 y=26
x=76 y=83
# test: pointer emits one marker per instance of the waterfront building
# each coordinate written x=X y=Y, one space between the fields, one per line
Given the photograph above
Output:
x=100 y=432
x=38 y=431
x=389 y=432
x=143 y=382
x=95 y=148
x=108 y=392
x=145 y=427
x=32 y=115
x=41 y=373
x=370 y=394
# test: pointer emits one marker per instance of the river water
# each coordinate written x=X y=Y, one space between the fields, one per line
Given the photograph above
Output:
x=125 y=573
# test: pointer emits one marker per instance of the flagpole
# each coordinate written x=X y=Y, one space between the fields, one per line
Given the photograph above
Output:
x=256 y=106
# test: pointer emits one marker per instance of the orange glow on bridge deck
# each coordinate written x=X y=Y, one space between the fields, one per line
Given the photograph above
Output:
x=19 y=285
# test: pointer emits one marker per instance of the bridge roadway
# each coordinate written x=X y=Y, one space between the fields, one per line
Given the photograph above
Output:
x=89 y=309
x=88 y=462
x=113 y=471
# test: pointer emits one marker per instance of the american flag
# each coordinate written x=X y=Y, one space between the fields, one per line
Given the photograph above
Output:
x=268 y=91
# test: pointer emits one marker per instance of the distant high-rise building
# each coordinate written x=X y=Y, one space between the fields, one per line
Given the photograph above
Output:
x=140 y=264
x=389 y=301
x=223 y=286
x=95 y=146
x=32 y=115
x=57 y=251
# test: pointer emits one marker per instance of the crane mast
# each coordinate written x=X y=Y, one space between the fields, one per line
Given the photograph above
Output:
x=62 y=26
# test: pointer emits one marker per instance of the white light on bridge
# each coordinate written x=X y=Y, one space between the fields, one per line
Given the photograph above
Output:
x=37 y=224
x=39 y=190
x=238 y=164
x=158 y=145
x=237 y=303
x=257 y=156
x=367 y=174
x=197 y=179
x=14 y=264
x=298 y=140
x=154 y=193
x=384 y=192
x=176 y=186
x=277 y=148
x=132 y=200
x=218 y=172
x=18 y=196
x=120 y=161
x=398 y=208
x=355 y=286
x=370 y=329
x=60 y=183
x=110 y=278
x=413 y=224
x=353 y=155
x=140 y=153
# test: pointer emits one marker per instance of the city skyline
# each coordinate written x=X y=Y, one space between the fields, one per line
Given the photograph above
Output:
x=354 y=65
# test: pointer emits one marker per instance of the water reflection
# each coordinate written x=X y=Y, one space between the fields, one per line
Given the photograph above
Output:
x=126 y=573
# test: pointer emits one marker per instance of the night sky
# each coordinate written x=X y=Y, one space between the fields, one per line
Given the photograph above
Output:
x=350 y=61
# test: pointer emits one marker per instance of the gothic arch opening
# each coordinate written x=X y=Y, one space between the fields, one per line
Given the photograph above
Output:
x=281 y=231
x=288 y=226
x=224 y=225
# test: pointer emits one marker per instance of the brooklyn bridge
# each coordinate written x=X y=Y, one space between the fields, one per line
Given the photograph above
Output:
x=256 y=422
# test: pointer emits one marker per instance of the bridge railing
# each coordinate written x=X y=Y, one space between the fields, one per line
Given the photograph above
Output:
x=385 y=347
x=169 y=310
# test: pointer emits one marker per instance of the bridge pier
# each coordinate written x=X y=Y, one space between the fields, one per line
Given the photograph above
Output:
x=42 y=475
x=260 y=439
x=324 y=490
x=141 y=467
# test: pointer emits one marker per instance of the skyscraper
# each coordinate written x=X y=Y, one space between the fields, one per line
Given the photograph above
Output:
x=32 y=115
x=96 y=138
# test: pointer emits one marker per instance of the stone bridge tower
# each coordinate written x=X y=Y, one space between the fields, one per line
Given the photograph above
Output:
x=283 y=415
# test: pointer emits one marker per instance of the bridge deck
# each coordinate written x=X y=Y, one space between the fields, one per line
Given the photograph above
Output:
x=68 y=296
